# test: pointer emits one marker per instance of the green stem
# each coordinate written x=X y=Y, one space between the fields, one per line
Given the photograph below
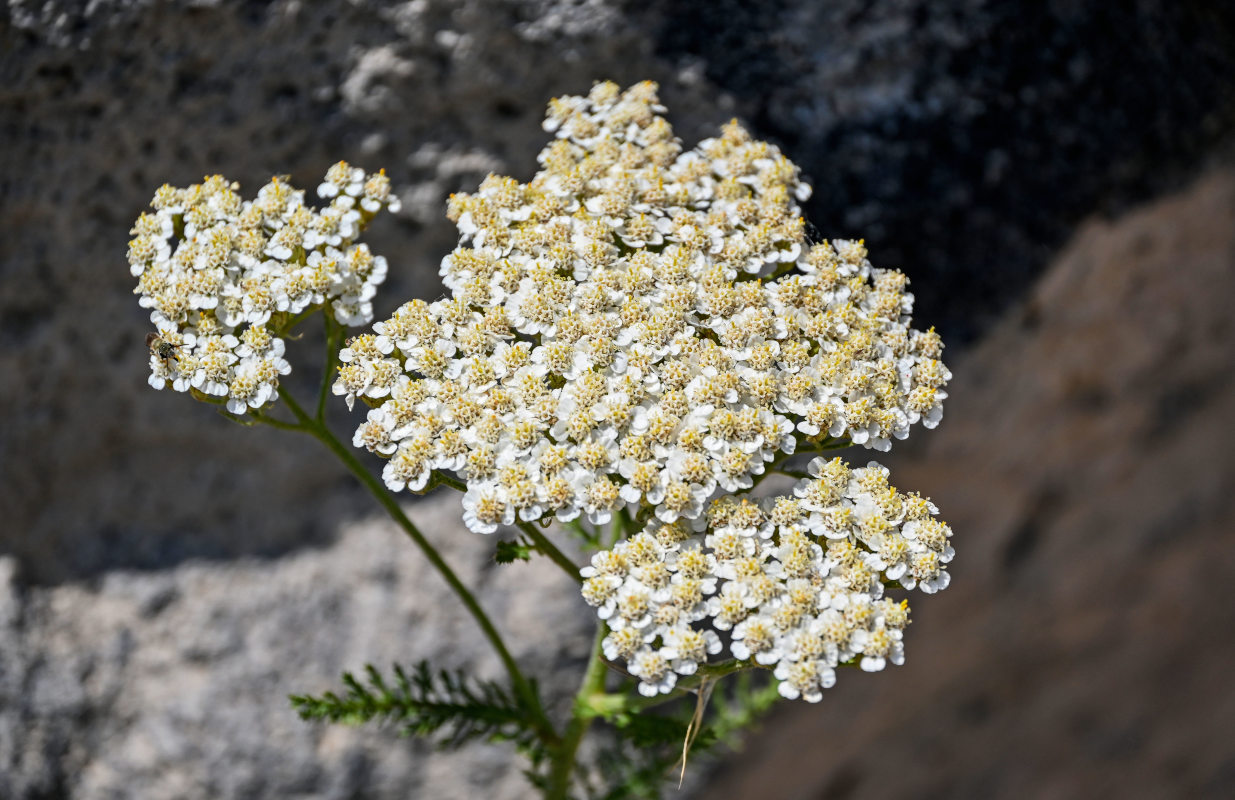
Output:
x=275 y=423
x=576 y=525
x=246 y=422
x=591 y=690
x=584 y=712
x=446 y=479
x=621 y=523
x=287 y=326
x=545 y=546
x=685 y=686
x=521 y=685
x=774 y=466
x=334 y=335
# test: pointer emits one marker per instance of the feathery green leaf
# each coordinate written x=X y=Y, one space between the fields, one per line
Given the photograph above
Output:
x=449 y=707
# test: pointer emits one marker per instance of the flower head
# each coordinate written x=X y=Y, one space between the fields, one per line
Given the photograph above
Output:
x=222 y=275
x=643 y=329
x=792 y=595
x=652 y=316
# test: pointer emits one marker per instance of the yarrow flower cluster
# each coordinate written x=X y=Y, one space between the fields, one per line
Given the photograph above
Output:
x=608 y=340
x=638 y=330
x=795 y=582
x=629 y=344
x=223 y=275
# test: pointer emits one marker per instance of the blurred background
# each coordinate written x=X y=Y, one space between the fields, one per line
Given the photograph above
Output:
x=1057 y=179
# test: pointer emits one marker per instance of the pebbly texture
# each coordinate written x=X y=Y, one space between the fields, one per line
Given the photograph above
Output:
x=173 y=684
x=1085 y=463
x=163 y=569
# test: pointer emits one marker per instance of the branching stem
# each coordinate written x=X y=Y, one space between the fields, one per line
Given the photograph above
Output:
x=318 y=430
x=334 y=337
x=593 y=686
x=544 y=544
x=590 y=691
x=591 y=700
x=548 y=548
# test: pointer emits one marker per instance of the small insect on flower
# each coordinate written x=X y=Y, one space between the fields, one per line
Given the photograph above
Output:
x=164 y=350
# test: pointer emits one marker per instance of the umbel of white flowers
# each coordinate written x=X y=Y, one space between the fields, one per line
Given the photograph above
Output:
x=647 y=328
x=222 y=275
x=796 y=581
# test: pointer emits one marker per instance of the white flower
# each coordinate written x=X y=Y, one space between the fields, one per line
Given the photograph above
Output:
x=691 y=648
x=638 y=329
x=235 y=270
x=654 y=670
x=600 y=496
x=247 y=389
x=484 y=509
x=378 y=434
x=755 y=637
x=757 y=571
x=411 y=465
x=882 y=645
x=804 y=679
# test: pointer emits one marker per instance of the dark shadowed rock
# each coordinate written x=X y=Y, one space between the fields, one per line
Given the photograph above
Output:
x=1085 y=463
x=964 y=140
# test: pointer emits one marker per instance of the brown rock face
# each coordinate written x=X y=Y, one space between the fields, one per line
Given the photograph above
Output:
x=1086 y=464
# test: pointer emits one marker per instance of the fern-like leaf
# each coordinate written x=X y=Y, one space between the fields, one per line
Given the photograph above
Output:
x=449 y=707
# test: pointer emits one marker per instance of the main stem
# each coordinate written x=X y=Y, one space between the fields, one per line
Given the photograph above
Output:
x=593 y=685
x=591 y=689
x=522 y=687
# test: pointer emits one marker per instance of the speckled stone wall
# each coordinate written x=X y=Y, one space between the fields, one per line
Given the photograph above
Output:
x=166 y=577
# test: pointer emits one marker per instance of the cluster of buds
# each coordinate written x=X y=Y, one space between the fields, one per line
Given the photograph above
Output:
x=223 y=277
x=639 y=330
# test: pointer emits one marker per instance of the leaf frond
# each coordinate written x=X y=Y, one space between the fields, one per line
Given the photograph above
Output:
x=449 y=707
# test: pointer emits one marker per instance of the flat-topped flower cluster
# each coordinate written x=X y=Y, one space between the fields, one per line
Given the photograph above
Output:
x=608 y=339
x=222 y=275
x=797 y=582
x=640 y=329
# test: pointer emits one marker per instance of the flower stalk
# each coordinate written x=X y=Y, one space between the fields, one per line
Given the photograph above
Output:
x=319 y=431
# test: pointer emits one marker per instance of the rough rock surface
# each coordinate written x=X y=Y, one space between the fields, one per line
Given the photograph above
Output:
x=168 y=577
x=173 y=684
x=1085 y=462
x=965 y=140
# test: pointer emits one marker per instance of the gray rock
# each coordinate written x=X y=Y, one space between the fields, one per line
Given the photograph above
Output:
x=104 y=696
x=166 y=578
x=115 y=99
